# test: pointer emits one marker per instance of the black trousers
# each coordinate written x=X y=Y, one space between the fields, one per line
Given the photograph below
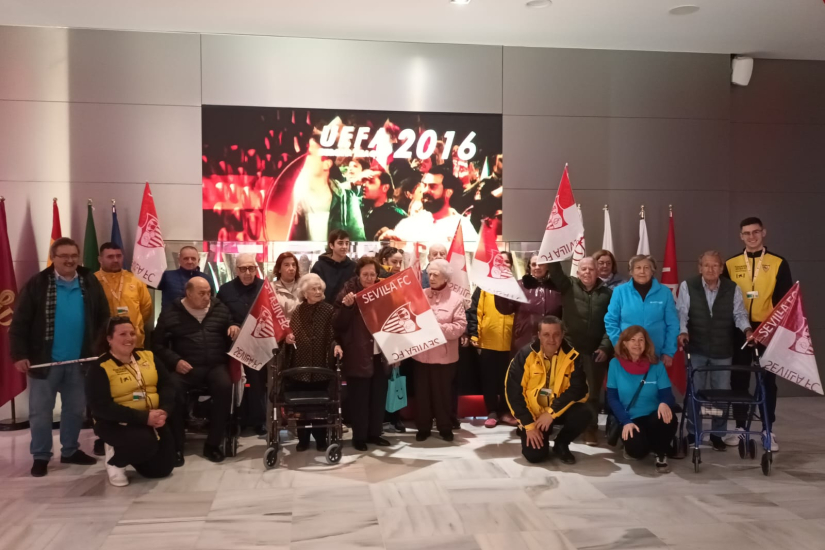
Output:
x=653 y=436
x=252 y=410
x=573 y=422
x=493 y=371
x=366 y=401
x=140 y=447
x=434 y=396
x=742 y=380
x=595 y=380
x=217 y=381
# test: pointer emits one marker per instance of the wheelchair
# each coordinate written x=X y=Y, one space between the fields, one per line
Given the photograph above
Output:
x=198 y=410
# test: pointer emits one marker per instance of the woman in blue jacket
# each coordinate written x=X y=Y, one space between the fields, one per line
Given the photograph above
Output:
x=648 y=423
x=645 y=302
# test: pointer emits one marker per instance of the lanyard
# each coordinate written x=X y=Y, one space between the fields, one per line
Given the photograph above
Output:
x=137 y=374
x=112 y=291
x=753 y=275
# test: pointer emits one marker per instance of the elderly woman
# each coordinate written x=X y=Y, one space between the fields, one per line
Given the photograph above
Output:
x=436 y=367
x=608 y=269
x=365 y=369
x=285 y=284
x=648 y=424
x=311 y=344
x=131 y=397
x=541 y=301
x=647 y=303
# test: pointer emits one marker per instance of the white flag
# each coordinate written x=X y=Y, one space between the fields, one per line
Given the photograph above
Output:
x=607 y=240
x=644 y=245
x=149 y=258
x=564 y=228
x=579 y=252
x=456 y=257
x=489 y=271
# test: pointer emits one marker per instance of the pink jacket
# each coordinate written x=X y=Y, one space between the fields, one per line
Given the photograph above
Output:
x=448 y=308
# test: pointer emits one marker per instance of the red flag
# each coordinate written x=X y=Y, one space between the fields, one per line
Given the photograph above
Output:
x=564 y=228
x=149 y=258
x=670 y=273
x=489 y=271
x=456 y=257
x=56 y=232
x=265 y=325
x=12 y=382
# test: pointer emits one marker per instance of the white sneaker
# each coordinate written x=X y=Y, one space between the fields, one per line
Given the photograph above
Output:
x=117 y=476
x=774 y=444
x=732 y=439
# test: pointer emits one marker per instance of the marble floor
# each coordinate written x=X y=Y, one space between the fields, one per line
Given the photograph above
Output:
x=476 y=493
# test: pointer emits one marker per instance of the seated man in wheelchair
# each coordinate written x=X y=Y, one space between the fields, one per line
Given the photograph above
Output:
x=192 y=337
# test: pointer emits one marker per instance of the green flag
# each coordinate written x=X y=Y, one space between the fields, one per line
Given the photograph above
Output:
x=90 y=242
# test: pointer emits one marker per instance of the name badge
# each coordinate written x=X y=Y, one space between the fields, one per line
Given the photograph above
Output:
x=122 y=311
x=752 y=294
x=138 y=396
x=546 y=392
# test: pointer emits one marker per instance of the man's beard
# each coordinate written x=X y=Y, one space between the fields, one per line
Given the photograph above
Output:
x=432 y=205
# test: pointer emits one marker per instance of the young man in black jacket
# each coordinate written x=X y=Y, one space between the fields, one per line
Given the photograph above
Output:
x=60 y=313
x=192 y=337
x=335 y=268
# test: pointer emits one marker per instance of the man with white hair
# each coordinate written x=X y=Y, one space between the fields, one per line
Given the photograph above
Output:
x=238 y=295
x=436 y=252
x=584 y=304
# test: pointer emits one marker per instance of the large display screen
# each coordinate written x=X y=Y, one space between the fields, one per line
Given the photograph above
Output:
x=279 y=174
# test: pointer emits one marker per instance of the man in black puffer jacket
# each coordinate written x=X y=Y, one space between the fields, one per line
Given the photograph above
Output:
x=335 y=268
x=192 y=337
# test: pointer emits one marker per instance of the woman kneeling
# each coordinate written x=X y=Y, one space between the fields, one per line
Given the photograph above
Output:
x=131 y=398
x=648 y=422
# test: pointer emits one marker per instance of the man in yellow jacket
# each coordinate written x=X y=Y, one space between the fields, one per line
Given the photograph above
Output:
x=127 y=295
x=545 y=385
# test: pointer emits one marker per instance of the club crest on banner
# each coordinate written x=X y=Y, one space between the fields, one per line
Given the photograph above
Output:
x=556 y=220
x=264 y=325
x=497 y=268
x=149 y=232
x=803 y=343
x=401 y=321
x=564 y=227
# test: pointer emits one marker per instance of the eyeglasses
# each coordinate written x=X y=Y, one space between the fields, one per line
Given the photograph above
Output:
x=752 y=233
x=72 y=257
x=248 y=269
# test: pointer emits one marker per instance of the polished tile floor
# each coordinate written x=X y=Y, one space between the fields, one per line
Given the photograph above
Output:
x=476 y=493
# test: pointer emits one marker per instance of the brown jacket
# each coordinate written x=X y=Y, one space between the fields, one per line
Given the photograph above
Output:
x=352 y=334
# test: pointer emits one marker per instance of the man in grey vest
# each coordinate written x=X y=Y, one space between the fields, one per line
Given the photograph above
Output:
x=709 y=308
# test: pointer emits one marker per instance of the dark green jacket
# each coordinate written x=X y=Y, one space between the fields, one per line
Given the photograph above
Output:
x=583 y=311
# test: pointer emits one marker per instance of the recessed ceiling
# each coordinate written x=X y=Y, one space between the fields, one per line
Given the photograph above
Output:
x=761 y=28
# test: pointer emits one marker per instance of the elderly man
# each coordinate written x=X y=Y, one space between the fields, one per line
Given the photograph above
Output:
x=127 y=295
x=59 y=314
x=710 y=308
x=192 y=337
x=546 y=385
x=238 y=295
x=584 y=304
x=436 y=252
x=173 y=283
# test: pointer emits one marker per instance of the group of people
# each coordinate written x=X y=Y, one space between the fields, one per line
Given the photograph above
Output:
x=543 y=362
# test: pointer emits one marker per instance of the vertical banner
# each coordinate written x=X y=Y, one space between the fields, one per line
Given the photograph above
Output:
x=90 y=252
x=149 y=259
x=670 y=271
x=490 y=272
x=607 y=239
x=456 y=257
x=56 y=231
x=12 y=382
x=564 y=228
x=116 y=238
x=398 y=315
x=644 y=244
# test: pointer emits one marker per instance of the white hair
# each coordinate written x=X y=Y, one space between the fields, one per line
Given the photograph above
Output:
x=443 y=267
x=436 y=246
x=245 y=257
x=308 y=280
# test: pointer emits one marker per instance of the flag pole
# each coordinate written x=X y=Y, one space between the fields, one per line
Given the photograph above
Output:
x=642 y=213
x=670 y=209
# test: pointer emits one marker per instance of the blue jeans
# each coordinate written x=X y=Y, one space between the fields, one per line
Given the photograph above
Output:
x=70 y=382
x=719 y=380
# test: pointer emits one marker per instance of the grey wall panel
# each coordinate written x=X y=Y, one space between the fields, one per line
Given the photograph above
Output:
x=781 y=91
x=616 y=153
x=566 y=82
x=526 y=213
x=45 y=141
x=809 y=275
x=50 y=64
x=303 y=72
x=778 y=157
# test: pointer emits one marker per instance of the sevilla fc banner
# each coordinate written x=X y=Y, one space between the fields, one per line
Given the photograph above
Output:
x=789 y=352
x=263 y=327
x=490 y=271
x=398 y=315
x=149 y=258
x=564 y=228
x=456 y=257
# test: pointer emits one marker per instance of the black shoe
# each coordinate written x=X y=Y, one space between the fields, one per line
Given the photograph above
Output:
x=563 y=452
x=691 y=439
x=40 y=467
x=302 y=446
x=359 y=446
x=456 y=423
x=321 y=446
x=448 y=436
x=400 y=427
x=380 y=441
x=179 y=460
x=260 y=430
x=79 y=457
x=213 y=453
x=717 y=443
x=99 y=449
x=422 y=436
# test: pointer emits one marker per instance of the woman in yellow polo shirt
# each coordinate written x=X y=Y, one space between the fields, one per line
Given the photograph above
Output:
x=131 y=398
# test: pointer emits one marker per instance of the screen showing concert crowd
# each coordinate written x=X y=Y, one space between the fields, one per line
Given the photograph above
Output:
x=283 y=174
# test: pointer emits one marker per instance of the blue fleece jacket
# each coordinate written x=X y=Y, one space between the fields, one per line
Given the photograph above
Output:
x=656 y=313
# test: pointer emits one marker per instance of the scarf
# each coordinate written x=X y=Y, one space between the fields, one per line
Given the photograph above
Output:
x=635 y=367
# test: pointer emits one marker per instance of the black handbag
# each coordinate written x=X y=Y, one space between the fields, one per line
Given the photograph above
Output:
x=613 y=428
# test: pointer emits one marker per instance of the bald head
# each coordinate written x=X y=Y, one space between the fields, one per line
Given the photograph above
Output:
x=587 y=272
x=198 y=293
x=437 y=252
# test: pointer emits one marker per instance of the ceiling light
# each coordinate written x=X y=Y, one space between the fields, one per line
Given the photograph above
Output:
x=538 y=3
x=683 y=10
x=459 y=1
